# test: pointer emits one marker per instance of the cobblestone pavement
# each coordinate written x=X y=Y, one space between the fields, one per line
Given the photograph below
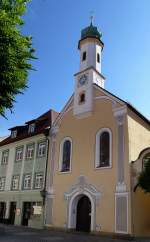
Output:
x=22 y=234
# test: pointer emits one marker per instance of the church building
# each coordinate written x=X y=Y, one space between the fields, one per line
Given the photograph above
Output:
x=98 y=145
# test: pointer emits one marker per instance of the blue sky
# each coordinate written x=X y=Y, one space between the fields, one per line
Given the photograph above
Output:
x=55 y=26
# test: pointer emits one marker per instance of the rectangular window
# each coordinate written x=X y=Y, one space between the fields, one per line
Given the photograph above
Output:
x=2 y=183
x=30 y=151
x=38 y=181
x=19 y=154
x=27 y=182
x=5 y=155
x=41 y=149
x=13 y=133
x=84 y=56
x=15 y=182
x=31 y=128
x=98 y=58
x=82 y=98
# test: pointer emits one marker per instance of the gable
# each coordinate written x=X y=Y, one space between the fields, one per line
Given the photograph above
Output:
x=99 y=95
x=102 y=95
x=68 y=106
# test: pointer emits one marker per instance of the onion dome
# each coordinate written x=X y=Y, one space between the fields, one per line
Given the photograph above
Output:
x=90 y=32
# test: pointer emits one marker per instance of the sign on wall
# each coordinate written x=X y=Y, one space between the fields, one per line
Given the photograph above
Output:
x=18 y=211
x=37 y=210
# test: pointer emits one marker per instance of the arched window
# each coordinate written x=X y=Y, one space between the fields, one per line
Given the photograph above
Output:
x=65 y=155
x=103 y=148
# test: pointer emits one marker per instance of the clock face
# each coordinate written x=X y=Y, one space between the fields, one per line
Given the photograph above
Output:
x=83 y=79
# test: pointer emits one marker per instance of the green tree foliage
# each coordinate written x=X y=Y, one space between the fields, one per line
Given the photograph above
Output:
x=15 y=52
x=144 y=178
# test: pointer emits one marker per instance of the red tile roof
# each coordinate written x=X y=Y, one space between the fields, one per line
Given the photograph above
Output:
x=41 y=124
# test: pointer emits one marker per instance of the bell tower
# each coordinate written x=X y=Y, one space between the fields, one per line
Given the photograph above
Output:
x=90 y=47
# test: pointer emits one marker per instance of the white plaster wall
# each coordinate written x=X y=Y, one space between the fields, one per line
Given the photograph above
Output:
x=93 y=77
x=98 y=80
x=98 y=65
x=88 y=105
x=91 y=49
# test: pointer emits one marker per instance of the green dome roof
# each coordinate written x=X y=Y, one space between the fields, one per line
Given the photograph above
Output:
x=91 y=31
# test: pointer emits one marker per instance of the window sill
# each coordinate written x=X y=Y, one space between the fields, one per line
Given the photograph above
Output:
x=103 y=167
x=18 y=161
x=30 y=190
x=39 y=157
x=64 y=172
x=26 y=189
x=37 y=188
x=29 y=159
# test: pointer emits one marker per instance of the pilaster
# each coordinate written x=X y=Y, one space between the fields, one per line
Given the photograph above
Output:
x=120 y=114
x=50 y=175
x=121 y=194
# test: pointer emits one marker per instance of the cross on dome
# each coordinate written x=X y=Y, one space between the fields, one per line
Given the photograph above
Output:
x=91 y=17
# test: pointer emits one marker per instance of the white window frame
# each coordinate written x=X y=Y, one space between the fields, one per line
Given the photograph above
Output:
x=19 y=150
x=40 y=149
x=29 y=149
x=27 y=179
x=31 y=128
x=15 y=182
x=2 y=183
x=14 y=133
x=5 y=156
x=38 y=184
x=97 y=150
x=61 y=155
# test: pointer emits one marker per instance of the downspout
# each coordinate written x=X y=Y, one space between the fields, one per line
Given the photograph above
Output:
x=43 y=192
x=47 y=141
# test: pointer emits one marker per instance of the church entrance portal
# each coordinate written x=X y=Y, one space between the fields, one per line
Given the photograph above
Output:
x=83 y=215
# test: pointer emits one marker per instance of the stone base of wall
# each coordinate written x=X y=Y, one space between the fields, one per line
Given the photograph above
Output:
x=100 y=233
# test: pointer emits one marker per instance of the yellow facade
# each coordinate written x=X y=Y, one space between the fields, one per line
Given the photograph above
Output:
x=83 y=135
x=139 y=135
x=141 y=210
x=139 y=139
x=108 y=191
